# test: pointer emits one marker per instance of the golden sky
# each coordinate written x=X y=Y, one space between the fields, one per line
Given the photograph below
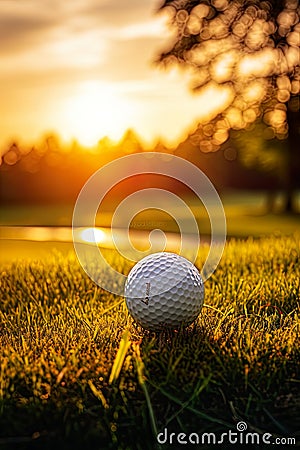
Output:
x=85 y=69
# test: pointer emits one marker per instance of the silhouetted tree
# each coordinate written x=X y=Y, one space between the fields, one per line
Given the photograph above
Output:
x=249 y=51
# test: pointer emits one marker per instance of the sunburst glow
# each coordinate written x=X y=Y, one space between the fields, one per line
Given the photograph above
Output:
x=95 y=110
x=93 y=235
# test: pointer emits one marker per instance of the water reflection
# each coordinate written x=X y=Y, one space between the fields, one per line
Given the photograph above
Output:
x=104 y=237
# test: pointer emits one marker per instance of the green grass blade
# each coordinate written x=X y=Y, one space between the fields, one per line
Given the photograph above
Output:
x=142 y=382
x=120 y=356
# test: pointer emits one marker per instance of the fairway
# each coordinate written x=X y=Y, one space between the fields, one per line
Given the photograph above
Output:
x=246 y=215
x=76 y=372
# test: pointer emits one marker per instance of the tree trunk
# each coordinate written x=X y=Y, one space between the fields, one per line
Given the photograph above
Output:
x=289 y=202
x=293 y=156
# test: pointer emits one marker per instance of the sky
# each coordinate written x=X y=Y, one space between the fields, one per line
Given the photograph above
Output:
x=85 y=69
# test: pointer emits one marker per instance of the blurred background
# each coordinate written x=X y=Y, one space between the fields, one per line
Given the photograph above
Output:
x=85 y=73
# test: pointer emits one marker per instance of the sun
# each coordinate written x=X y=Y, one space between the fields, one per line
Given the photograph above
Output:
x=96 y=109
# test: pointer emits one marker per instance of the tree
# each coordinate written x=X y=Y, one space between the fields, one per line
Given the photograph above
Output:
x=249 y=51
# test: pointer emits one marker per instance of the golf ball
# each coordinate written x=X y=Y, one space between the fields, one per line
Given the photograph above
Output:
x=164 y=291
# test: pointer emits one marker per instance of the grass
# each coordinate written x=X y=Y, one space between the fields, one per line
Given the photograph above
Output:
x=77 y=372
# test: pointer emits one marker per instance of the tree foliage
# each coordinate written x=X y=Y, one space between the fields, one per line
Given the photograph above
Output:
x=247 y=49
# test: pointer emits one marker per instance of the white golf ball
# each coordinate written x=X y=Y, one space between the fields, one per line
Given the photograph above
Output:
x=164 y=291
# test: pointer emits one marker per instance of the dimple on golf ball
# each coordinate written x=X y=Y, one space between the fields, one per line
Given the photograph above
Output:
x=164 y=291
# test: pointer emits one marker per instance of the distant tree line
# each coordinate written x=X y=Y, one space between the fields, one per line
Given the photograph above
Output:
x=52 y=172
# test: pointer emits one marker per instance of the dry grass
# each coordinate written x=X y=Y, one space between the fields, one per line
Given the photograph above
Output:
x=67 y=382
